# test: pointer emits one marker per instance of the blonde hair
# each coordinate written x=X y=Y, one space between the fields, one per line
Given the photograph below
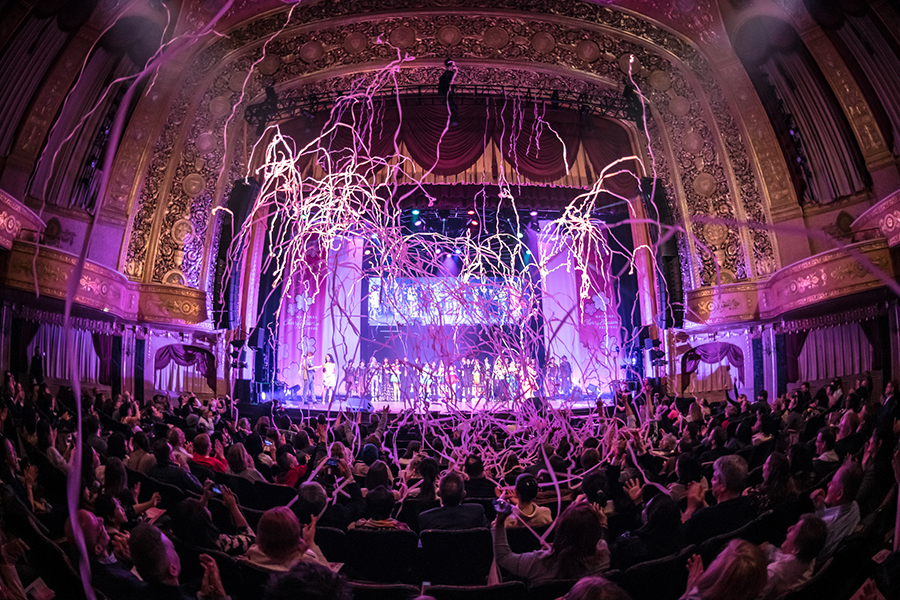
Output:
x=738 y=573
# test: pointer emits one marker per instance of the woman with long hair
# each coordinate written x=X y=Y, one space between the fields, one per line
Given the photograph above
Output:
x=578 y=549
x=192 y=523
x=777 y=485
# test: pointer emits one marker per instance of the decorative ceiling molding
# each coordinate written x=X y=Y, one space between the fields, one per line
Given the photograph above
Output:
x=16 y=219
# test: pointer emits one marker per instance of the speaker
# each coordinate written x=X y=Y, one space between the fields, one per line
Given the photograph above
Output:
x=357 y=404
x=243 y=391
x=670 y=290
x=227 y=285
x=257 y=338
x=139 y=350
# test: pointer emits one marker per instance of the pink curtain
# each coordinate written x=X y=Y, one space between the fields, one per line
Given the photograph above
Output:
x=202 y=359
x=103 y=346
x=710 y=353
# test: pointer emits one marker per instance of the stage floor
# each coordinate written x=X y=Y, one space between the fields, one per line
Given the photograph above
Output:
x=581 y=405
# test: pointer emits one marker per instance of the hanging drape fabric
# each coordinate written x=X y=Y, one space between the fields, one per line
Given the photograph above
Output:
x=103 y=346
x=51 y=340
x=793 y=346
x=710 y=353
x=201 y=359
x=839 y=351
x=23 y=333
x=539 y=141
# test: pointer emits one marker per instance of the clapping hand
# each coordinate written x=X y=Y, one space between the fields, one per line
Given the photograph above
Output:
x=633 y=488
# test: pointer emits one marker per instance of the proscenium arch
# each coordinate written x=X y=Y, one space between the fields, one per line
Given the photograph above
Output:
x=689 y=113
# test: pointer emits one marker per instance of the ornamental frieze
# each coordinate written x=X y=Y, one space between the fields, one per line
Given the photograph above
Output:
x=707 y=188
x=99 y=287
x=826 y=276
x=15 y=219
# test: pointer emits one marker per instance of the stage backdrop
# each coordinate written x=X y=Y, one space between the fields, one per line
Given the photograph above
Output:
x=586 y=331
x=320 y=312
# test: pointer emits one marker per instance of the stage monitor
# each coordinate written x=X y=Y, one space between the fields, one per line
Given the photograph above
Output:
x=448 y=301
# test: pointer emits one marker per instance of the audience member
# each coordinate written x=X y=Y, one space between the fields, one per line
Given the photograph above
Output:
x=578 y=548
x=737 y=573
x=281 y=542
x=837 y=505
x=452 y=513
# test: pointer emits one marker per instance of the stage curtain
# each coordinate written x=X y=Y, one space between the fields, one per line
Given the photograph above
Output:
x=200 y=358
x=103 y=346
x=872 y=331
x=461 y=145
x=605 y=142
x=51 y=340
x=527 y=134
x=840 y=351
x=710 y=353
x=529 y=139
x=22 y=334
x=793 y=345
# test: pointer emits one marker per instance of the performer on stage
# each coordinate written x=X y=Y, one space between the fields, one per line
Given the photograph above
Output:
x=551 y=379
x=329 y=379
x=307 y=379
x=374 y=376
x=387 y=386
x=349 y=380
x=565 y=376
x=395 y=380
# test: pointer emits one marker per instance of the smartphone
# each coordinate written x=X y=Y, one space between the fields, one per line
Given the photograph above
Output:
x=267 y=442
x=216 y=490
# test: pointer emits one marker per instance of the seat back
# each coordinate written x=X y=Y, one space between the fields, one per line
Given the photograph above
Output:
x=490 y=513
x=551 y=590
x=661 y=579
x=170 y=495
x=253 y=580
x=51 y=563
x=270 y=495
x=332 y=542
x=201 y=472
x=512 y=590
x=383 y=591
x=461 y=557
x=243 y=489
x=522 y=539
x=384 y=556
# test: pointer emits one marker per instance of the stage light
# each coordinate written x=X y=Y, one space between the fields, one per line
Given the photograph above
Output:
x=264 y=396
x=415 y=212
x=474 y=223
x=471 y=212
x=457 y=251
x=367 y=252
x=520 y=235
x=418 y=223
x=528 y=253
x=534 y=213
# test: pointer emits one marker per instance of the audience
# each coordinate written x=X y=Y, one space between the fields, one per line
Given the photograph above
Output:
x=578 y=548
x=655 y=500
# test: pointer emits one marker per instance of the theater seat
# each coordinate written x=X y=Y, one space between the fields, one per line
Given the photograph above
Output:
x=551 y=590
x=660 y=579
x=332 y=542
x=461 y=557
x=383 y=591
x=270 y=495
x=513 y=590
x=383 y=556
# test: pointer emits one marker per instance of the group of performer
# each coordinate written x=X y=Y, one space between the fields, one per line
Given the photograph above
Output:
x=468 y=379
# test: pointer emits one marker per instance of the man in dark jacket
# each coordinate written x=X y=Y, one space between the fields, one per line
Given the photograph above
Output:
x=731 y=510
x=453 y=514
